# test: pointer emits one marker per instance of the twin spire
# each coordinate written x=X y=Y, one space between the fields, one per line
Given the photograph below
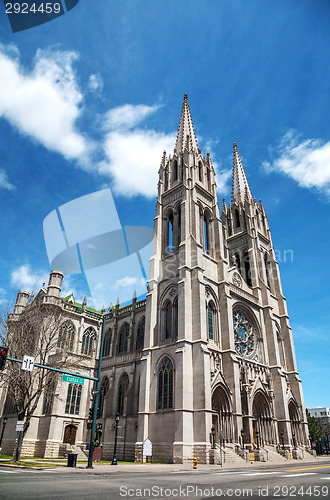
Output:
x=186 y=139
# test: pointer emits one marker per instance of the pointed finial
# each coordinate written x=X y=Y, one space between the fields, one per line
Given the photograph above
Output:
x=134 y=295
x=224 y=206
x=117 y=302
x=84 y=304
x=103 y=309
x=32 y=296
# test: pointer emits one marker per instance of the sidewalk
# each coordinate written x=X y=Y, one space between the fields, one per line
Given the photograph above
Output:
x=138 y=467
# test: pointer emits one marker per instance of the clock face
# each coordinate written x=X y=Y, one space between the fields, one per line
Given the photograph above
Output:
x=244 y=334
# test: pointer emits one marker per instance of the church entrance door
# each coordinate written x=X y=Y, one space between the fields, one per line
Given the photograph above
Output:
x=70 y=434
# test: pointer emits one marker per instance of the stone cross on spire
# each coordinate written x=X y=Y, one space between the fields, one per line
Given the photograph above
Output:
x=186 y=135
x=240 y=187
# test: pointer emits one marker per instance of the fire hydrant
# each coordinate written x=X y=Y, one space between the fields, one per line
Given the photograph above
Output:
x=195 y=463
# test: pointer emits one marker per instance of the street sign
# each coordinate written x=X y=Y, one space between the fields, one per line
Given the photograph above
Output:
x=96 y=391
x=147 y=448
x=28 y=363
x=73 y=380
x=20 y=425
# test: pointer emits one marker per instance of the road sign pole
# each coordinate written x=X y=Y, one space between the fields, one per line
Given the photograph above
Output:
x=96 y=401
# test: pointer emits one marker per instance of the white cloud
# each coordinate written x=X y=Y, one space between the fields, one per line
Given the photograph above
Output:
x=24 y=278
x=95 y=82
x=222 y=179
x=4 y=182
x=127 y=116
x=45 y=102
x=127 y=281
x=133 y=159
x=307 y=162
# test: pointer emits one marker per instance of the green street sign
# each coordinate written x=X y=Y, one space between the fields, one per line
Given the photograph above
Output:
x=73 y=380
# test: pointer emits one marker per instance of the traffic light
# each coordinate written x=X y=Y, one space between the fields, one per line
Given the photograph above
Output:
x=98 y=435
x=98 y=413
x=90 y=414
x=3 y=357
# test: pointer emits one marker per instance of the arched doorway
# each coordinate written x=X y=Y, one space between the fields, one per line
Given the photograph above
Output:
x=295 y=423
x=70 y=432
x=222 y=416
x=262 y=420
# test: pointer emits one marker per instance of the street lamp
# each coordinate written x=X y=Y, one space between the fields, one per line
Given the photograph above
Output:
x=294 y=441
x=282 y=438
x=4 y=421
x=242 y=434
x=257 y=436
x=114 y=460
x=213 y=436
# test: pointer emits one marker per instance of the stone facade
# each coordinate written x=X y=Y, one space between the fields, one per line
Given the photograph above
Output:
x=210 y=347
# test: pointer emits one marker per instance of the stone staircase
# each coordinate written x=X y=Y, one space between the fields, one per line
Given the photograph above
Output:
x=65 y=449
x=228 y=455
x=274 y=456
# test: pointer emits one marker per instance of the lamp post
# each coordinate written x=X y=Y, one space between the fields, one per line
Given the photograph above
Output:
x=282 y=439
x=213 y=436
x=242 y=434
x=257 y=436
x=3 y=429
x=114 y=460
x=294 y=441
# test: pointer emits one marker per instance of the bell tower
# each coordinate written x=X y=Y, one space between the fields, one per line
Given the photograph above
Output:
x=218 y=352
x=182 y=300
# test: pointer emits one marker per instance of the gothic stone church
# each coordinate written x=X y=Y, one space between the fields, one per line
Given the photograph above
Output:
x=210 y=346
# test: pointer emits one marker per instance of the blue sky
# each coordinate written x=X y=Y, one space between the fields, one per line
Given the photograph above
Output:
x=90 y=101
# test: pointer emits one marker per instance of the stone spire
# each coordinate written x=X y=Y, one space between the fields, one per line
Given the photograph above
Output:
x=240 y=188
x=186 y=138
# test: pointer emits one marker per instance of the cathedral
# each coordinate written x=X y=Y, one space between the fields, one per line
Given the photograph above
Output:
x=205 y=363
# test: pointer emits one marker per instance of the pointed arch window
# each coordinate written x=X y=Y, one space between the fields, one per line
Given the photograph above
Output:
x=175 y=170
x=211 y=321
x=170 y=233
x=247 y=266
x=237 y=219
x=107 y=343
x=140 y=334
x=168 y=320
x=73 y=398
x=66 y=335
x=165 y=384
x=122 y=393
x=88 y=341
x=200 y=171
x=123 y=338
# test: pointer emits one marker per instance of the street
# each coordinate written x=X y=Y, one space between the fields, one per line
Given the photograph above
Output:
x=298 y=480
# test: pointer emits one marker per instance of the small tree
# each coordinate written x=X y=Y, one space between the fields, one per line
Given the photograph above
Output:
x=314 y=429
x=36 y=332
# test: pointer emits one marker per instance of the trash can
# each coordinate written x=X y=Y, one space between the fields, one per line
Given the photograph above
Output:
x=72 y=459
